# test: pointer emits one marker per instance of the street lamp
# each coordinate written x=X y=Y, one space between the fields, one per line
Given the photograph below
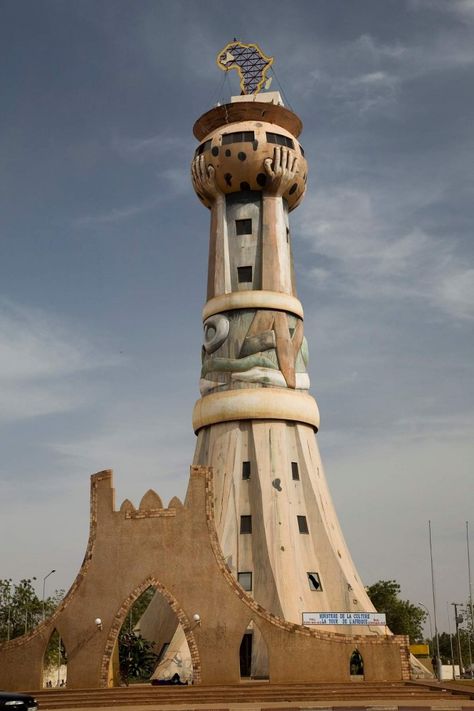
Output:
x=458 y=619
x=429 y=620
x=44 y=587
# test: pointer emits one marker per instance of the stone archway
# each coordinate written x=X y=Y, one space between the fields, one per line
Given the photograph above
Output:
x=121 y=614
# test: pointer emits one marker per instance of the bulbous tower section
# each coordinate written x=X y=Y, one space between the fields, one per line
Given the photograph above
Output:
x=255 y=421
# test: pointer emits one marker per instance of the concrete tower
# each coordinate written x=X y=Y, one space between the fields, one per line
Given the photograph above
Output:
x=255 y=421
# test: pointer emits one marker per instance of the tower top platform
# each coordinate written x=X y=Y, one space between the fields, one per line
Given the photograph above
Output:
x=245 y=110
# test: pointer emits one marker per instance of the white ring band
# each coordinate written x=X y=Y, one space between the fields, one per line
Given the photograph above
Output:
x=255 y=404
x=257 y=299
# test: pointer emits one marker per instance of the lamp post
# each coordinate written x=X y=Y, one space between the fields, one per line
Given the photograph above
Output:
x=429 y=620
x=451 y=643
x=470 y=631
x=458 y=619
x=44 y=587
x=438 y=656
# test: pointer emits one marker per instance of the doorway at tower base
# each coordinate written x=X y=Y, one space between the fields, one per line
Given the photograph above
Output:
x=253 y=654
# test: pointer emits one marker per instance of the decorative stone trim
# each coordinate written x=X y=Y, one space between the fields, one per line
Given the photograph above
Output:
x=256 y=404
x=151 y=513
x=258 y=299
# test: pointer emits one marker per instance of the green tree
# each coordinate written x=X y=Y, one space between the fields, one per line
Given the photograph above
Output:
x=402 y=616
x=21 y=609
x=55 y=653
x=137 y=656
x=445 y=641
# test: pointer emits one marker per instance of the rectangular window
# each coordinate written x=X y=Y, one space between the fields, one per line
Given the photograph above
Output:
x=244 y=275
x=302 y=524
x=295 y=471
x=245 y=470
x=301 y=149
x=243 y=227
x=245 y=524
x=314 y=581
x=287 y=234
x=203 y=147
x=245 y=579
x=238 y=137
x=280 y=140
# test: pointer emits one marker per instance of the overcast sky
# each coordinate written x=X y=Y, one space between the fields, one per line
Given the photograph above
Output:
x=103 y=257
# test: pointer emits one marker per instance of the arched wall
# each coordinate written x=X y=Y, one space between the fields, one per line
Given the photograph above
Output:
x=122 y=614
x=130 y=549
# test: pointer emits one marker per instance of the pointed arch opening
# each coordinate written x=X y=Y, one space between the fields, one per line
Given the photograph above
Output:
x=356 y=666
x=151 y=641
x=55 y=662
x=253 y=654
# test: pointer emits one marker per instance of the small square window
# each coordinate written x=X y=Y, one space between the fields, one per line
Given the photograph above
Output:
x=314 y=581
x=302 y=524
x=295 y=471
x=245 y=524
x=245 y=579
x=244 y=275
x=243 y=227
x=245 y=470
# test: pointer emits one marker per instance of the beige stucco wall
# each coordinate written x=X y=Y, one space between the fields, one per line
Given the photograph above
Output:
x=130 y=550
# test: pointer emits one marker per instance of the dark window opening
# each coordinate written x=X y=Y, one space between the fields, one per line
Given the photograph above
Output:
x=246 y=655
x=243 y=227
x=314 y=582
x=302 y=524
x=244 y=274
x=356 y=664
x=301 y=149
x=245 y=524
x=245 y=470
x=287 y=234
x=203 y=147
x=238 y=137
x=280 y=140
x=295 y=473
x=245 y=580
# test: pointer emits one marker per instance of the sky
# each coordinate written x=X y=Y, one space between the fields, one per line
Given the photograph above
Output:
x=103 y=258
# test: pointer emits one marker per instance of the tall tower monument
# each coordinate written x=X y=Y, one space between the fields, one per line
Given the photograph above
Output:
x=256 y=421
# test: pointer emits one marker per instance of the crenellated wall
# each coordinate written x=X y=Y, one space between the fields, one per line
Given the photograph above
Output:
x=176 y=550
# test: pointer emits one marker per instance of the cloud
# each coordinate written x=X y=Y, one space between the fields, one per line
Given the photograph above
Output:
x=39 y=358
x=25 y=400
x=456 y=292
x=369 y=256
x=119 y=214
x=461 y=9
x=168 y=154
x=149 y=447
x=365 y=75
x=146 y=147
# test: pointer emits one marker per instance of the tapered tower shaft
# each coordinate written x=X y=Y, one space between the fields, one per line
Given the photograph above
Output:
x=255 y=421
